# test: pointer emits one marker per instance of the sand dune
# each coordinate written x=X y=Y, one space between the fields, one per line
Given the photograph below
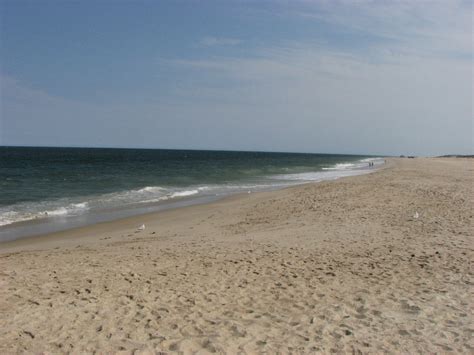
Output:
x=340 y=266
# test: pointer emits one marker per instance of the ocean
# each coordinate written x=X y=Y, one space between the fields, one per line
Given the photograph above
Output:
x=50 y=189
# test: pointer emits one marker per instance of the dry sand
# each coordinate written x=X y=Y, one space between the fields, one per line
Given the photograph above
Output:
x=336 y=267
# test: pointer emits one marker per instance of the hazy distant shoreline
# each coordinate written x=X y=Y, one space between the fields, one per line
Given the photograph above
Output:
x=455 y=156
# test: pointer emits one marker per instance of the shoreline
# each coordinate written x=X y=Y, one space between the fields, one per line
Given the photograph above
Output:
x=176 y=206
x=374 y=263
x=98 y=186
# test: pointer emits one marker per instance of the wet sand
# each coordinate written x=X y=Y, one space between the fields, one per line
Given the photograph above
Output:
x=341 y=266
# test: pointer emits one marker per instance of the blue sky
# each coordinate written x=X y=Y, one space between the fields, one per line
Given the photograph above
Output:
x=316 y=76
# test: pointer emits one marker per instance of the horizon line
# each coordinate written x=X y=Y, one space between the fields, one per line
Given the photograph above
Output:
x=188 y=149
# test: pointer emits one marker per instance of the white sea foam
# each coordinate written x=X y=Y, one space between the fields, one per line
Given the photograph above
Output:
x=360 y=164
x=39 y=210
x=9 y=217
x=69 y=209
x=57 y=212
x=334 y=172
x=342 y=166
x=151 y=189
x=184 y=193
x=155 y=200
x=82 y=205
x=63 y=208
x=319 y=175
x=135 y=196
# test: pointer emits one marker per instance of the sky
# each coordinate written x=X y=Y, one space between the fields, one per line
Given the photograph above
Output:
x=362 y=77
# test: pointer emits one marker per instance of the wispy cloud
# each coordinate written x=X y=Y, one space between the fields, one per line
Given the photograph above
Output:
x=398 y=93
x=408 y=92
x=425 y=27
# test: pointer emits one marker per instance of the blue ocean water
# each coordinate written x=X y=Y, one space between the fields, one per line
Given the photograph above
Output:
x=56 y=184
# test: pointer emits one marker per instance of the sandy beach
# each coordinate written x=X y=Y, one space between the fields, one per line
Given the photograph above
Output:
x=333 y=267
